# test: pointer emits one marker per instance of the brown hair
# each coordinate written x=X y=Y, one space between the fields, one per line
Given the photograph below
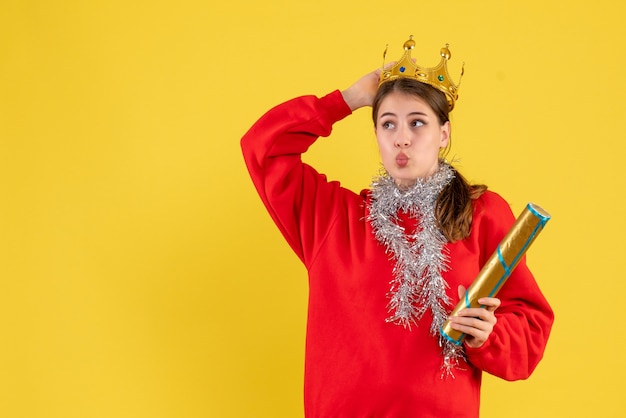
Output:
x=454 y=204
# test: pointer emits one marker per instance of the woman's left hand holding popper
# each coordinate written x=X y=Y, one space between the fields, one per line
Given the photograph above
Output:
x=476 y=323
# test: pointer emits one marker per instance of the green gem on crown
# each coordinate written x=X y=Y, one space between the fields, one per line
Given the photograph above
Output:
x=440 y=78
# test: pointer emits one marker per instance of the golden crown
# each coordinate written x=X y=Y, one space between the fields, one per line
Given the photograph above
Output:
x=437 y=76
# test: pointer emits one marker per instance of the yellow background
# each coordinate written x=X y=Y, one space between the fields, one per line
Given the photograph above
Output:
x=140 y=275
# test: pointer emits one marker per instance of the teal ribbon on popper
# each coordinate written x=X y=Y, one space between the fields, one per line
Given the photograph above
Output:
x=508 y=268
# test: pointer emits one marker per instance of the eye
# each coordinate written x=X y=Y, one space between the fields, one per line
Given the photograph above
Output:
x=417 y=123
x=388 y=125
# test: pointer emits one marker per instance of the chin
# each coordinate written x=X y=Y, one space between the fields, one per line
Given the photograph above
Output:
x=404 y=183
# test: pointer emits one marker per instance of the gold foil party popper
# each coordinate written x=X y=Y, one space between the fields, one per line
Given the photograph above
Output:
x=500 y=265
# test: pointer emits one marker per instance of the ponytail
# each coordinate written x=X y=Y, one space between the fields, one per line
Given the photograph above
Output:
x=454 y=207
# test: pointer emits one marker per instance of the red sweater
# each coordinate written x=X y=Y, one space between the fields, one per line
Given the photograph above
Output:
x=356 y=364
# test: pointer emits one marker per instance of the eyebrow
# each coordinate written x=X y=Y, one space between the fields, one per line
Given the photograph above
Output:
x=410 y=114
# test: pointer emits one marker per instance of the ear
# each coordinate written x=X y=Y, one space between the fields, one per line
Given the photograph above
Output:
x=445 y=135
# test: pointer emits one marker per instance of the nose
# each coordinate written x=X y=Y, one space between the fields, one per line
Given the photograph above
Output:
x=403 y=138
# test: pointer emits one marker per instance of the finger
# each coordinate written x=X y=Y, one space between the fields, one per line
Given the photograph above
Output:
x=484 y=323
x=469 y=323
x=491 y=304
x=481 y=314
x=461 y=290
x=475 y=330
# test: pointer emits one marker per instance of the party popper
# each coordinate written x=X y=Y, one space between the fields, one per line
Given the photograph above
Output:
x=500 y=265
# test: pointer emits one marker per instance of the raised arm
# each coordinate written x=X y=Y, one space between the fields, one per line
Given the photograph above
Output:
x=295 y=195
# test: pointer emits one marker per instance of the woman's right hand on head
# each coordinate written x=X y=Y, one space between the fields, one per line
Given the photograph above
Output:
x=363 y=91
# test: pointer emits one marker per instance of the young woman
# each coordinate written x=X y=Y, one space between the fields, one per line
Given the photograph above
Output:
x=387 y=266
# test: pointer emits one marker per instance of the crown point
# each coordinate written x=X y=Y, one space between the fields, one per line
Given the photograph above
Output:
x=445 y=52
x=410 y=44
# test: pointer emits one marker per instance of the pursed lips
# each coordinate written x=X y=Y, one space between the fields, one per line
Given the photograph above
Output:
x=402 y=159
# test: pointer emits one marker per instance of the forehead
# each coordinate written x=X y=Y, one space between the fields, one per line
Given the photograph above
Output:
x=400 y=103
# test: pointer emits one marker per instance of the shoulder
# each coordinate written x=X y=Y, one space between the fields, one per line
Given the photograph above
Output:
x=491 y=204
x=492 y=215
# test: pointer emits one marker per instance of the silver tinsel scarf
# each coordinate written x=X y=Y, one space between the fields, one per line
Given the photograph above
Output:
x=419 y=257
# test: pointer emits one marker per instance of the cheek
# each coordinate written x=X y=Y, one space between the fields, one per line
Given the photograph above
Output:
x=384 y=136
x=384 y=146
x=380 y=141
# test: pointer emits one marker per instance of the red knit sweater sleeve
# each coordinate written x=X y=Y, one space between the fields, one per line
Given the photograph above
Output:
x=524 y=319
x=296 y=196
